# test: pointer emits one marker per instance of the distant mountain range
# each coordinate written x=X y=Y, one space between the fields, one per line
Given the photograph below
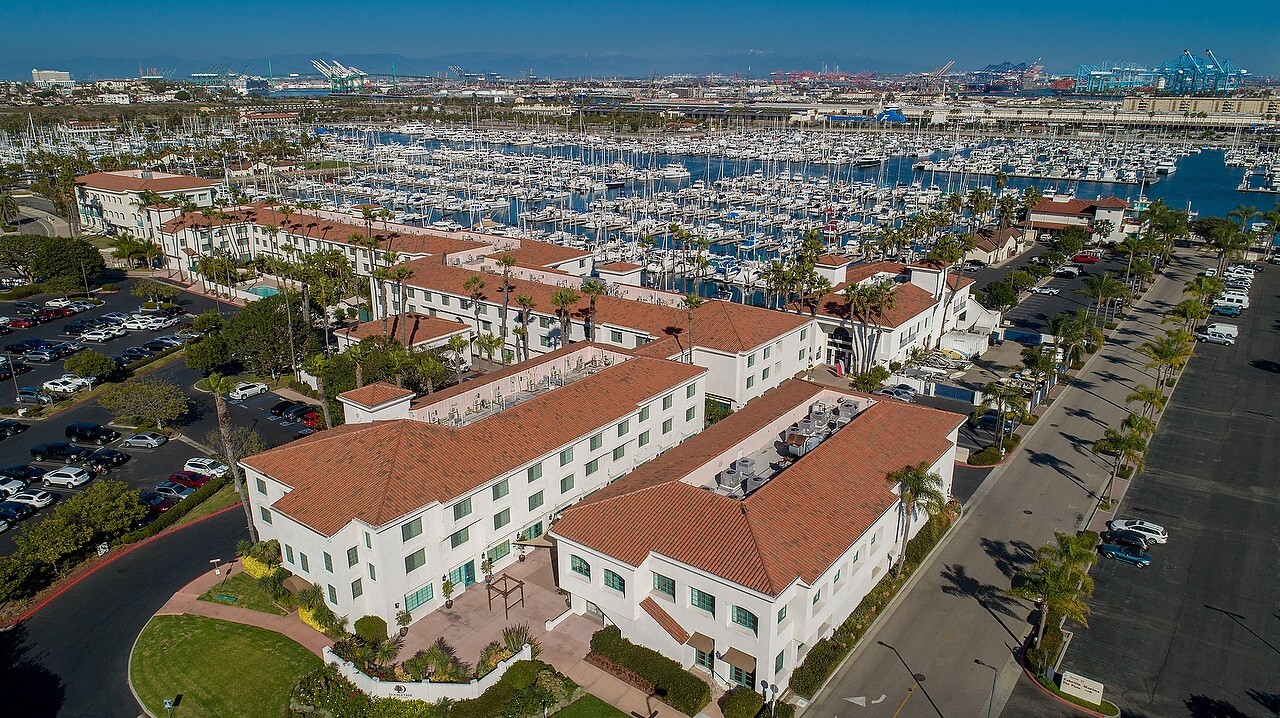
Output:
x=752 y=63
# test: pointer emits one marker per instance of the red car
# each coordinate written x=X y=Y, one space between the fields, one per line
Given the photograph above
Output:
x=23 y=322
x=312 y=420
x=1085 y=259
x=156 y=503
x=189 y=478
x=48 y=315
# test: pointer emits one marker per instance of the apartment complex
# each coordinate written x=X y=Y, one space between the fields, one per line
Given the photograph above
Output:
x=739 y=549
x=412 y=493
x=112 y=202
x=1056 y=213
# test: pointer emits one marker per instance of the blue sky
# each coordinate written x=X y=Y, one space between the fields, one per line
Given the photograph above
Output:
x=861 y=35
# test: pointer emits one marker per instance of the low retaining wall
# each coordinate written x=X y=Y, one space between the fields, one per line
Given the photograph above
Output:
x=422 y=690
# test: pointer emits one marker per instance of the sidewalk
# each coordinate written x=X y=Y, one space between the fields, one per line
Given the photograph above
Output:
x=187 y=601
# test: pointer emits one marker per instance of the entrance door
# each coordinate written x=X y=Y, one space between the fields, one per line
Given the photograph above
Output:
x=464 y=575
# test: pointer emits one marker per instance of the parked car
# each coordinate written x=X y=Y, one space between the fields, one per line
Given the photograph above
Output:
x=156 y=503
x=1125 y=538
x=66 y=451
x=84 y=431
x=1045 y=289
x=32 y=395
x=1215 y=338
x=115 y=316
x=25 y=308
x=1067 y=272
x=106 y=459
x=157 y=346
x=98 y=335
x=9 y=427
x=892 y=393
x=68 y=477
x=145 y=440
x=1127 y=554
x=5 y=525
x=23 y=472
x=206 y=466
x=58 y=302
x=281 y=407
x=26 y=345
x=13 y=512
x=1085 y=258
x=9 y=487
x=35 y=498
x=136 y=353
x=990 y=421
x=61 y=386
x=1226 y=310
x=41 y=356
x=1155 y=532
x=177 y=491
x=295 y=413
x=188 y=478
x=22 y=322
x=246 y=389
x=312 y=420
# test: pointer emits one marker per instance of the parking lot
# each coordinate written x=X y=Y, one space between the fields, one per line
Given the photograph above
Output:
x=1034 y=312
x=1197 y=633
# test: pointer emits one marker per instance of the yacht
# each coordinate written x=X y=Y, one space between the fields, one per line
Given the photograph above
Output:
x=675 y=171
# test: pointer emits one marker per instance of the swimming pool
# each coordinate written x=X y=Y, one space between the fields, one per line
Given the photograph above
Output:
x=263 y=291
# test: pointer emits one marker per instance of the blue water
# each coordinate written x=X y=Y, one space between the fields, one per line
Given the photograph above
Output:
x=263 y=291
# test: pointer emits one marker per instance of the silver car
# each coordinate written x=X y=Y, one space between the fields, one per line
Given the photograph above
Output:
x=145 y=440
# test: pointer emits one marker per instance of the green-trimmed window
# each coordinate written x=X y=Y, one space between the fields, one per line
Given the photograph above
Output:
x=535 y=471
x=666 y=426
x=415 y=560
x=700 y=599
x=664 y=584
x=782 y=614
x=597 y=441
x=644 y=438
x=328 y=562
x=566 y=456
x=535 y=501
x=623 y=427
x=459 y=538
x=500 y=489
x=619 y=452
x=746 y=619
x=592 y=466
x=666 y=401
x=462 y=509
x=353 y=556
x=502 y=518
x=419 y=597
x=566 y=484
x=357 y=588
x=411 y=529
x=579 y=566
x=614 y=581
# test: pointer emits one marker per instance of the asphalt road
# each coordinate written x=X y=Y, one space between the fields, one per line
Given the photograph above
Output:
x=71 y=659
x=1034 y=312
x=1198 y=633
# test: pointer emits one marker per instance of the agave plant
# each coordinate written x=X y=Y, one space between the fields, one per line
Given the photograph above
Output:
x=515 y=638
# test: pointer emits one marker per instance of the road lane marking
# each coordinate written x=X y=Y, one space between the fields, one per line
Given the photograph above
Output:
x=946 y=637
x=903 y=704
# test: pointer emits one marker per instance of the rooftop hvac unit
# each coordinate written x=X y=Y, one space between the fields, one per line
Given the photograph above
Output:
x=820 y=417
x=845 y=412
x=730 y=477
x=806 y=426
x=746 y=467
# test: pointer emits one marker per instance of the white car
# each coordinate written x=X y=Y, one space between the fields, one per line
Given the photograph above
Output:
x=145 y=440
x=115 y=317
x=208 y=467
x=246 y=389
x=137 y=323
x=9 y=487
x=35 y=498
x=58 y=302
x=82 y=306
x=98 y=335
x=1215 y=338
x=1045 y=289
x=1154 y=533
x=61 y=386
x=79 y=380
x=68 y=477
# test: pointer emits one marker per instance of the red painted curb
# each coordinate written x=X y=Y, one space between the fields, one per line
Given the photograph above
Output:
x=1055 y=696
x=110 y=560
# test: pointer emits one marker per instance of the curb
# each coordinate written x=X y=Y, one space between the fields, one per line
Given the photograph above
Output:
x=110 y=560
x=128 y=674
x=1055 y=696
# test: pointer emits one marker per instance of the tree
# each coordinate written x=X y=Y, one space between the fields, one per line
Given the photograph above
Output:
x=8 y=208
x=207 y=322
x=1040 y=363
x=918 y=489
x=90 y=364
x=1057 y=587
x=505 y=263
x=1008 y=400
x=68 y=257
x=1000 y=295
x=152 y=291
x=107 y=508
x=1071 y=241
x=1167 y=355
x=261 y=332
x=458 y=344
x=1151 y=398
x=52 y=540
x=1127 y=448
x=527 y=305
x=316 y=366
x=594 y=289
x=487 y=343
x=1206 y=289
x=209 y=354
x=690 y=305
x=145 y=402
x=475 y=285
x=564 y=299
x=1188 y=313
x=220 y=385
x=18 y=254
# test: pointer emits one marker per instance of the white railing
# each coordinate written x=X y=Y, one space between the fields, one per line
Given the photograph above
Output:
x=422 y=690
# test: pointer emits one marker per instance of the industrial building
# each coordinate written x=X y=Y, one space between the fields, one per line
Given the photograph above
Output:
x=51 y=78
x=1184 y=74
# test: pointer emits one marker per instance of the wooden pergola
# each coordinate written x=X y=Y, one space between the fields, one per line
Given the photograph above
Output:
x=502 y=585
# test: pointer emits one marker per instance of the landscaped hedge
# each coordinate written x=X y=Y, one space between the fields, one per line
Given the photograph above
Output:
x=22 y=292
x=741 y=703
x=170 y=517
x=673 y=685
x=821 y=660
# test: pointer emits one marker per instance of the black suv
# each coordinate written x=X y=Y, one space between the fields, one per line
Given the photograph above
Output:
x=86 y=432
x=22 y=472
x=70 y=453
x=9 y=427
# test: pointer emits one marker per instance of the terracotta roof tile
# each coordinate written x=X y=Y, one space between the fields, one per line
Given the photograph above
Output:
x=664 y=619
x=621 y=267
x=794 y=527
x=910 y=302
x=421 y=327
x=134 y=181
x=1085 y=207
x=832 y=260
x=375 y=394
x=533 y=253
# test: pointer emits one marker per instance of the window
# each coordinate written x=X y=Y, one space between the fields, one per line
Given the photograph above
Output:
x=766 y=352
x=705 y=601
x=593 y=466
x=615 y=336
x=619 y=452
x=266 y=515
x=373 y=575
x=800 y=356
x=782 y=614
x=666 y=402
x=836 y=579
x=328 y=562
x=614 y=581
x=597 y=441
x=502 y=518
x=855 y=556
x=535 y=471
x=357 y=588
x=535 y=501
x=746 y=619
x=689 y=413
x=419 y=597
x=873 y=539
x=501 y=551
x=623 y=427
x=458 y=538
x=751 y=381
x=579 y=566
x=566 y=484
x=804 y=334
x=500 y=489
x=411 y=529
x=743 y=678
x=262 y=486
x=703 y=659
x=288 y=553
x=764 y=373
x=415 y=560
x=565 y=457
x=664 y=585
x=353 y=556
x=644 y=413
x=666 y=426
x=482 y=309
x=462 y=509
x=333 y=595
x=644 y=438
x=368 y=540
x=817 y=596
x=690 y=390
x=778 y=662
x=302 y=561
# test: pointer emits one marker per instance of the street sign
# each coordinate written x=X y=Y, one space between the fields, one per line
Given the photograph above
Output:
x=1085 y=689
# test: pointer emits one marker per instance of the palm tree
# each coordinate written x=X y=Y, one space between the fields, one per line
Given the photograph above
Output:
x=399 y=273
x=219 y=385
x=1230 y=242
x=457 y=344
x=8 y=208
x=1188 y=312
x=690 y=304
x=359 y=355
x=1140 y=425
x=475 y=289
x=1006 y=399
x=594 y=289
x=1078 y=550
x=429 y=367
x=1127 y=448
x=487 y=343
x=918 y=489
x=527 y=305
x=1206 y=289
x=1057 y=587
x=316 y=365
x=564 y=299
x=1167 y=355
x=821 y=287
x=505 y=263
x=1151 y=398
x=1030 y=198
x=946 y=252
x=882 y=299
x=1039 y=361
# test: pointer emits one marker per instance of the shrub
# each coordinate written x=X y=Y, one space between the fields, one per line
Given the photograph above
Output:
x=818 y=664
x=371 y=628
x=109 y=287
x=741 y=703
x=1125 y=472
x=26 y=290
x=254 y=567
x=170 y=517
x=673 y=685
x=778 y=710
x=986 y=457
x=309 y=617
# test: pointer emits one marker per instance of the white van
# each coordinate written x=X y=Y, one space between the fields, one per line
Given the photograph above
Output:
x=1230 y=330
x=1234 y=299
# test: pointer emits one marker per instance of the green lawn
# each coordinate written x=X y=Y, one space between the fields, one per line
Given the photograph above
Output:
x=225 y=496
x=589 y=706
x=219 y=668
x=245 y=589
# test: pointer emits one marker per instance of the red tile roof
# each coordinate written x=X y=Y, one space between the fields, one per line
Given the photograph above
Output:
x=831 y=260
x=989 y=240
x=133 y=181
x=375 y=394
x=378 y=472
x=535 y=254
x=421 y=327
x=664 y=619
x=1078 y=207
x=794 y=527
x=620 y=267
x=910 y=302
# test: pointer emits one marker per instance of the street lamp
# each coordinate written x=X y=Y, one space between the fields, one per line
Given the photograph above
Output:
x=765 y=687
x=168 y=707
x=995 y=674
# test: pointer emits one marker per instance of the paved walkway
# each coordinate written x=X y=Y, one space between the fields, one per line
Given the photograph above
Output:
x=954 y=611
x=187 y=601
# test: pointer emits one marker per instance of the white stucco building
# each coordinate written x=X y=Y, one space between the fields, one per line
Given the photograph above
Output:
x=1056 y=213
x=110 y=202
